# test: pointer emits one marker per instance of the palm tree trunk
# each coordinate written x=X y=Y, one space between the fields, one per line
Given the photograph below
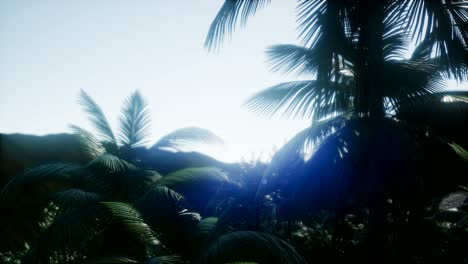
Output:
x=370 y=61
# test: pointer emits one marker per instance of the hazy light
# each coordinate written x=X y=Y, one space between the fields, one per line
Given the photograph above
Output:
x=50 y=50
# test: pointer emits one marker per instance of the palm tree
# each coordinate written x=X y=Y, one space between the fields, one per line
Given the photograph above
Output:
x=134 y=133
x=356 y=150
x=76 y=212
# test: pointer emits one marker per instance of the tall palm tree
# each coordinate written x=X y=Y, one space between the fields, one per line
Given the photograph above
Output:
x=356 y=151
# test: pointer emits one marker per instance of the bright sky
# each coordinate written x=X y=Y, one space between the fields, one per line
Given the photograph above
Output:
x=52 y=49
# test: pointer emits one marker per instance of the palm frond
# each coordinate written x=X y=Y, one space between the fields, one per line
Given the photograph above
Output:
x=394 y=40
x=185 y=138
x=301 y=99
x=292 y=59
x=134 y=121
x=97 y=118
x=206 y=226
x=444 y=26
x=228 y=18
x=249 y=246
x=39 y=182
x=423 y=50
x=133 y=223
x=417 y=80
x=463 y=153
x=197 y=185
x=168 y=259
x=113 y=260
x=88 y=142
x=166 y=212
x=75 y=198
x=309 y=13
x=304 y=142
x=426 y=17
x=158 y=199
x=110 y=163
x=186 y=179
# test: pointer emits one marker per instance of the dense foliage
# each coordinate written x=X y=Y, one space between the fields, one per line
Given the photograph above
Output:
x=379 y=176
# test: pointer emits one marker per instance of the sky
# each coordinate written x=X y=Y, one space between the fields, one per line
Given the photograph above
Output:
x=52 y=49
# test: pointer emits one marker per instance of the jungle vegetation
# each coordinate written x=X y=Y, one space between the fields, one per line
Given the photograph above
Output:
x=379 y=176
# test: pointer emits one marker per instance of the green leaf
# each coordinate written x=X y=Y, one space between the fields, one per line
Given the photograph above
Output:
x=185 y=138
x=463 y=153
x=197 y=185
x=249 y=246
x=292 y=59
x=74 y=198
x=134 y=224
x=111 y=163
x=304 y=142
x=97 y=118
x=227 y=18
x=39 y=182
x=187 y=179
x=169 y=259
x=301 y=99
x=92 y=147
x=134 y=121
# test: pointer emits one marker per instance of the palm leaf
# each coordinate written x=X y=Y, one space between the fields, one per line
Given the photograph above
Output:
x=416 y=78
x=158 y=200
x=308 y=16
x=197 y=185
x=206 y=226
x=443 y=26
x=187 y=179
x=249 y=246
x=185 y=138
x=169 y=259
x=227 y=18
x=133 y=223
x=426 y=17
x=97 y=117
x=166 y=212
x=292 y=59
x=88 y=142
x=301 y=99
x=110 y=163
x=113 y=260
x=39 y=182
x=304 y=142
x=74 y=198
x=463 y=153
x=134 y=122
